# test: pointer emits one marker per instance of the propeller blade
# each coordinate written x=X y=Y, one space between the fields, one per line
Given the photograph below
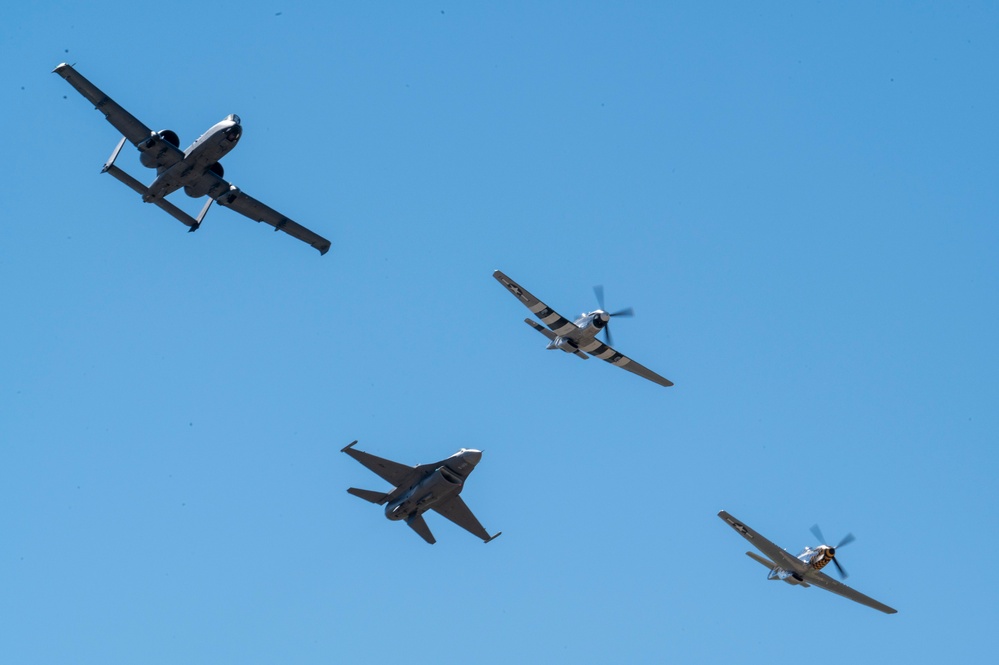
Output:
x=842 y=573
x=598 y=290
x=847 y=539
x=626 y=312
x=607 y=335
x=817 y=532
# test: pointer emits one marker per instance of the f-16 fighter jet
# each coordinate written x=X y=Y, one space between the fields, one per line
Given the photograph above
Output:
x=196 y=170
x=804 y=569
x=579 y=337
x=418 y=489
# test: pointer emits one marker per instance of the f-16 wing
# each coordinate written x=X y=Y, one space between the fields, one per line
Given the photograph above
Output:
x=558 y=323
x=456 y=510
x=598 y=349
x=822 y=580
x=126 y=123
x=232 y=197
x=776 y=554
x=393 y=472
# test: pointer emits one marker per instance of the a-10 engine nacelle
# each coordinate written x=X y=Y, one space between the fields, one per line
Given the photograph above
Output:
x=150 y=149
x=204 y=184
x=230 y=196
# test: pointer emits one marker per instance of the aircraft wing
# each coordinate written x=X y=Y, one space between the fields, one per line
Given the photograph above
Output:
x=778 y=555
x=600 y=350
x=558 y=323
x=123 y=121
x=822 y=580
x=456 y=510
x=234 y=198
x=395 y=473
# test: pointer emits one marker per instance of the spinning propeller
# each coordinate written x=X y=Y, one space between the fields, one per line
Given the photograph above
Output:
x=847 y=539
x=626 y=312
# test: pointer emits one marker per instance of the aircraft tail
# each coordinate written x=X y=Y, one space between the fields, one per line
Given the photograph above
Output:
x=756 y=557
x=552 y=337
x=419 y=525
x=369 y=495
x=143 y=191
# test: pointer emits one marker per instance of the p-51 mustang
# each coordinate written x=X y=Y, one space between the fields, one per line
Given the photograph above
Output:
x=803 y=570
x=196 y=169
x=418 y=489
x=579 y=337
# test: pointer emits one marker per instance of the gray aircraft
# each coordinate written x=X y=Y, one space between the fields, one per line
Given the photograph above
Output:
x=418 y=489
x=196 y=170
x=579 y=337
x=805 y=569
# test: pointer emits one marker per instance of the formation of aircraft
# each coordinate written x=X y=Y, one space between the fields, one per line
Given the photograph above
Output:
x=438 y=486
x=579 y=337
x=197 y=170
x=805 y=569
x=417 y=489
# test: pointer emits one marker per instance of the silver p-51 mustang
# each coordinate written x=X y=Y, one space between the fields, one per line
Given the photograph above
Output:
x=804 y=569
x=579 y=337
x=196 y=170
x=418 y=489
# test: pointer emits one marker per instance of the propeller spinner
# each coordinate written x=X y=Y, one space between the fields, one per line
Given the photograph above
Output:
x=846 y=540
x=606 y=316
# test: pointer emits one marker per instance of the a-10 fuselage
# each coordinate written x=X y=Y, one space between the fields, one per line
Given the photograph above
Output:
x=444 y=482
x=200 y=157
x=585 y=329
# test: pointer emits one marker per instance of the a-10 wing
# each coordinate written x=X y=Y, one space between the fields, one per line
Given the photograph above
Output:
x=126 y=123
x=241 y=202
x=822 y=580
x=558 y=323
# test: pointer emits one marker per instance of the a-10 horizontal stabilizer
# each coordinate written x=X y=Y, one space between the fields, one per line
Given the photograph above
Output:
x=369 y=495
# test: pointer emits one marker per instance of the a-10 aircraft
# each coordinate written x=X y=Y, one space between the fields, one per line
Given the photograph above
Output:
x=804 y=569
x=579 y=337
x=196 y=170
x=418 y=489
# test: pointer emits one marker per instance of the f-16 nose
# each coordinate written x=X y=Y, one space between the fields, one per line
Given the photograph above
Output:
x=472 y=456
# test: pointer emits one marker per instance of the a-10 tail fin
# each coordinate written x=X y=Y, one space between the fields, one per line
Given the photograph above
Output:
x=369 y=495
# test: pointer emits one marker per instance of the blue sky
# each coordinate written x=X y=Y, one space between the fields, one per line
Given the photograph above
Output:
x=797 y=199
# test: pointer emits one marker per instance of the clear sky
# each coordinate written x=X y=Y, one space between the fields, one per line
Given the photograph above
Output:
x=798 y=199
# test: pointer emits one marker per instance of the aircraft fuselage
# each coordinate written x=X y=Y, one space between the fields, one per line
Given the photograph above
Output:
x=442 y=483
x=585 y=330
x=815 y=559
x=198 y=159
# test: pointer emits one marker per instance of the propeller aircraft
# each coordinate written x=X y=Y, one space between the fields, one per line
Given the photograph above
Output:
x=579 y=337
x=805 y=569
x=197 y=170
